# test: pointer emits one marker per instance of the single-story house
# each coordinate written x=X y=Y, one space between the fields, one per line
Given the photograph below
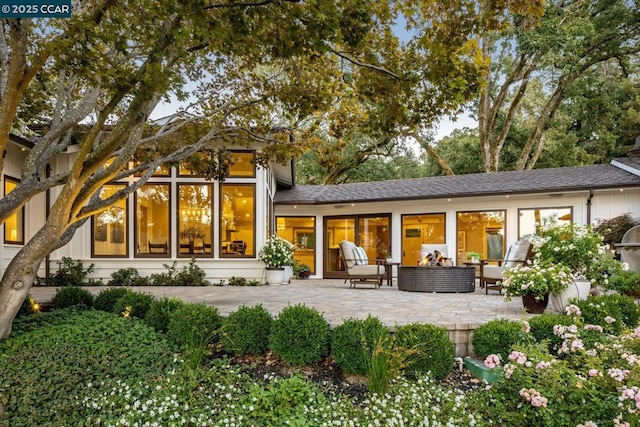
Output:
x=177 y=215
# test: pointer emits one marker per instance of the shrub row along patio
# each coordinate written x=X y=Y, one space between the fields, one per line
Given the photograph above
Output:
x=147 y=360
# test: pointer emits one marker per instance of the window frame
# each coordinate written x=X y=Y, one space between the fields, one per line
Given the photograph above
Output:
x=137 y=253
x=20 y=212
x=178 y=220
x=126 y=234
x=253 y=174
x=219 y=222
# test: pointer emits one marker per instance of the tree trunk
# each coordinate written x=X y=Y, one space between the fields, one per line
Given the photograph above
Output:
x=21 y=273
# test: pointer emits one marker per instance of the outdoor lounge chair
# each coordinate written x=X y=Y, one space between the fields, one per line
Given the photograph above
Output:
x=359 y=268
x=491 y=275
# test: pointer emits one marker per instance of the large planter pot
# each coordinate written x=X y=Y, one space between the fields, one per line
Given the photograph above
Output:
x=533 y=305
x=288 y=273
x=579 y=289
x=275 y=275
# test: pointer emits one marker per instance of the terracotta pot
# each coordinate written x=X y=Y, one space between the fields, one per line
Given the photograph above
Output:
x=534 y=306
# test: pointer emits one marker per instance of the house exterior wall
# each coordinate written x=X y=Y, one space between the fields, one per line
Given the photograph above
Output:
x=216 y=268
x=604 y=205
x=34 y=210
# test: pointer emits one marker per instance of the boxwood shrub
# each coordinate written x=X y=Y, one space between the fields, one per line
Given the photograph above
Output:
x=107 y=298
x=428 y=347
x=193 y=325
x=246 y=330
x=160 y=312
x=542 y=328
x=69 y=296
x=597 y=310
x=353 y=341
x=496 y=337
x=300 y=335
x=133 y=304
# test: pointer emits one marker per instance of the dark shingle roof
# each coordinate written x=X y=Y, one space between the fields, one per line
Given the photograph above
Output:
x=483 y=184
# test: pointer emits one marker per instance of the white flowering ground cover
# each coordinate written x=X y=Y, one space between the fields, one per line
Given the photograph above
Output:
x=224 y=396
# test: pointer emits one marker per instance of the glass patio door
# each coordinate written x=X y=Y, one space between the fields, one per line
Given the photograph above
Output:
x=372 y=232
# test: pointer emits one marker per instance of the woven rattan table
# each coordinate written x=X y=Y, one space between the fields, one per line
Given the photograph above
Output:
x=436 y=279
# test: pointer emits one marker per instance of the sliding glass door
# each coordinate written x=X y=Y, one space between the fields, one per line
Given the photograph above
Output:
x=372 y=232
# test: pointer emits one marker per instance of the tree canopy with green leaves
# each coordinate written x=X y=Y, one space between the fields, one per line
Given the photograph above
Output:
x=93 y=80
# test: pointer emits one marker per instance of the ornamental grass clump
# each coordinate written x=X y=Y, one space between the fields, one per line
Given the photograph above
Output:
x=276 y=252
x=429 y=349
x=536 y=279
x=352 y=339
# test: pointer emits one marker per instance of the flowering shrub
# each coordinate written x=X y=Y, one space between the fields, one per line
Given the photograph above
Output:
x=590 y=381
x=579 y=248
x=276 y=252
x=535 y=279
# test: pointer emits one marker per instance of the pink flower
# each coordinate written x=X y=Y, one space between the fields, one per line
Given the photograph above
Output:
x=618 y=374
x=636 y=332
x=543 y=365
x=492 y=361
x=572 y=309
x=593 y=372
x=593 y=328
x=518 y=356
x=609 y=319
x=526 y=327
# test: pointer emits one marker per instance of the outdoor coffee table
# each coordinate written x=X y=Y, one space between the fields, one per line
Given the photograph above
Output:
x=436 y=279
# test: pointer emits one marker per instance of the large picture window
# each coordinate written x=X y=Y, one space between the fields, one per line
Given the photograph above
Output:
x=14 y=224
x=237 y=220
x=194 y=221
x=530 y=220
x=109 y=227
x=482 y=232
x=152 y=220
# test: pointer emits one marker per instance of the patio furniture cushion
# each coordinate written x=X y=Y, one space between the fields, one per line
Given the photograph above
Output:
x=360 y=256
x=348 y=254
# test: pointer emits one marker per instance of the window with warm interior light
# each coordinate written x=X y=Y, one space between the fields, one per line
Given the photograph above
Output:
x=301 y=231
x=481 y=232
x=243 y=164
x=194 y=221
x=14 y=224
x=109 y=227
x=530 y=220
x=421 y=229
x=152 y=203
x=237 y=220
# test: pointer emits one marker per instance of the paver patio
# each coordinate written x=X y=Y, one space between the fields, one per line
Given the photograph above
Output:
x=458 y=313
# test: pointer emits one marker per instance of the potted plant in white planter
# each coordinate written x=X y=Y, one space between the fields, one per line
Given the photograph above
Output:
x=276 y=254
x=582 y=251
x=474 y=257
